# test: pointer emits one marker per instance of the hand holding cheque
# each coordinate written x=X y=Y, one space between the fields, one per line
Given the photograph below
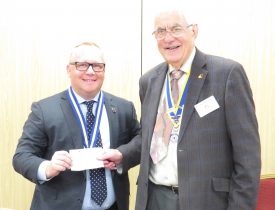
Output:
x=83 y=159
x=90 y=158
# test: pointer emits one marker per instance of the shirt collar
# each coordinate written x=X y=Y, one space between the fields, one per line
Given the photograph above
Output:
x=81 y=100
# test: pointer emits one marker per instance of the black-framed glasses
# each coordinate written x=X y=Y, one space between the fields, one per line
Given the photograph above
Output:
x=84 y=66
x=175 y=31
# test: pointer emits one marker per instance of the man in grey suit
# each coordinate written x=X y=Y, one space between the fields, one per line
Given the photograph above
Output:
x=201 y=151
x=57 y=124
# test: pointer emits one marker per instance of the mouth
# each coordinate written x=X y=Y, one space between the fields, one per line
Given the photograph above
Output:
x=172 y=47
x=89 y=80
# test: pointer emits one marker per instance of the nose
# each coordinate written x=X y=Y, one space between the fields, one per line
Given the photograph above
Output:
x=168 y=36
x=90 y=70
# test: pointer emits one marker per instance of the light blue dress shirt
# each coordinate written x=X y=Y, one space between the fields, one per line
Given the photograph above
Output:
x=88 y=203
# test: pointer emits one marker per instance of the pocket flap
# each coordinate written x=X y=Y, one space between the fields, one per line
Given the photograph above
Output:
x=221 y=184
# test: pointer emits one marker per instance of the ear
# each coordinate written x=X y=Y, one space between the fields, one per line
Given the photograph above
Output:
x=195 y=30
x=68 y=67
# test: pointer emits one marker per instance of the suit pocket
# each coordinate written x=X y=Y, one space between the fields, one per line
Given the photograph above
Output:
x=220 y=184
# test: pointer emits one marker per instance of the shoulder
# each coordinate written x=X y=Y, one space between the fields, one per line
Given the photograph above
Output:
x=219 y=62
x=225 y=66
x=158 y=69
x=121 y=105
x=53 y=98
x=50 y=102
x=214 y=61
x=218 y=67
x=50 y=106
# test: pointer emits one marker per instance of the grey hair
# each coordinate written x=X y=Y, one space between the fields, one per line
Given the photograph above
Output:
x=76 y=52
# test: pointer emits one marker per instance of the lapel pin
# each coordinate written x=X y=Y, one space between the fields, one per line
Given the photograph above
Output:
x=113 y=109
x=200 y=76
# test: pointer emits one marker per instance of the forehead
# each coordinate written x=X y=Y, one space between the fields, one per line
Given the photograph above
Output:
x=87 y=53
x=168 y=19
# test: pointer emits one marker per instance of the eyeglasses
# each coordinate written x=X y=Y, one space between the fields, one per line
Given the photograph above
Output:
x=84 y=66
x=175 y=31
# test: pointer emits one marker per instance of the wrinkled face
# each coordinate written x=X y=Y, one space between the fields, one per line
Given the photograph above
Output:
x=175 y=49
x=86 y=83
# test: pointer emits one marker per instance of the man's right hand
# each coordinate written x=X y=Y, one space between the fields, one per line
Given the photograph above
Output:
x=61 y=161
x=111 y=158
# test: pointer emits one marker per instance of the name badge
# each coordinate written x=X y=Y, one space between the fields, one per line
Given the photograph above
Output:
x=207 y=106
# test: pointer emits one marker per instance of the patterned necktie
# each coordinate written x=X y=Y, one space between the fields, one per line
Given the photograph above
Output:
x=97 y=176
x=175 y=76
x=163 y=125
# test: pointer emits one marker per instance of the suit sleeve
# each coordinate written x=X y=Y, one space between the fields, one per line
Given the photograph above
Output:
x=131 y=151
x=243 y=131
x=31 y=145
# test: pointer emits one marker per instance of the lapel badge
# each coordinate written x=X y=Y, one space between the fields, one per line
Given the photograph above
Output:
x=200 y=76
x=113 y=109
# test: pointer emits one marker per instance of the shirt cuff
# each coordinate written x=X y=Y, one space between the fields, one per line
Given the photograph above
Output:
x=119 y=169
x=41 y=173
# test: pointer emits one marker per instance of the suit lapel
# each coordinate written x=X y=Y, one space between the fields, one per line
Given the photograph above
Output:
x=155 y=86
x=111 y=110
x=197 y=78
x=71 y=120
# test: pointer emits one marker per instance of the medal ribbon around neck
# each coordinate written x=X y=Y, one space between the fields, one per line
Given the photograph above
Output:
x=175 y=110
x=81 y=119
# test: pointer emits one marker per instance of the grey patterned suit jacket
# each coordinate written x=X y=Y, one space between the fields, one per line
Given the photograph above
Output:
x=219 y=154
x=52 y=126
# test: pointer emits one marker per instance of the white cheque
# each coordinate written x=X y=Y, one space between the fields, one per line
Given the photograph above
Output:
x=83 y=159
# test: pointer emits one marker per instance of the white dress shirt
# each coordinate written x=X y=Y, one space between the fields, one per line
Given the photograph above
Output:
x=165 y=172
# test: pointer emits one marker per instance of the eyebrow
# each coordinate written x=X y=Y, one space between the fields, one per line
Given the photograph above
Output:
x=175 y=25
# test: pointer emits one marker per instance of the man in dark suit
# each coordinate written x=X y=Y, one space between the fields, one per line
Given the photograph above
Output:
x=201 y=151
x=57 y=124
